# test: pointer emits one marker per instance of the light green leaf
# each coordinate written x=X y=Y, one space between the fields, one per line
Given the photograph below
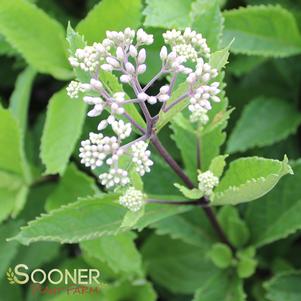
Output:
x=285 y=286
x=19 y=100
x=12 y=157
x=85 y=219
x=110 y=15
x=219 y=58
x=192 y=194
x=168 y=13
x=217 y=165
x=268 y=225
x=256 y=128
x=64 y=121
x=262 y=30
x=38 y=38
x=248 y=179
x=179 y=267
x=221 y=255
x=207 y=19
x=224 y=285
x=118 y=251
x=73 y=185
x=246 y=267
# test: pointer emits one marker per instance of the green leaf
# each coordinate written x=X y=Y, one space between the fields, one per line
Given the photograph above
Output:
x=223 y=285
x=141 y=290
x=248 y=179
x=38 y=38
x=114 y=15
x=234 y=226
x=217 y=165
x=64 y=121
x=192 y=194
x=207 y=19
x=262 y=30
x=246 y=267
x=285 y=286
x=179 y=267
x=256 y=128
x=167 y=14
x=85 y=219
x=219 y=58
x=73 y=185
x=268 y=225
x=19 y=100
x=118 y=251
x=192 y=227
x=221 y=255
x=7 y=249
x=12 y=157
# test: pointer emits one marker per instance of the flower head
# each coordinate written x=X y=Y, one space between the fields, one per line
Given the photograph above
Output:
x=132 y=199
x=207 y=181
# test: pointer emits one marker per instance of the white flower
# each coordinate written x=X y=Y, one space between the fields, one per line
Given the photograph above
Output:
x=122 y=129
x=88 y=58
x=73 y=89
x=200 y=115
x=115 y=176
x=207 y=181
x=94 y=150
x=141 y=157
x=132 y=199
x=143 y=38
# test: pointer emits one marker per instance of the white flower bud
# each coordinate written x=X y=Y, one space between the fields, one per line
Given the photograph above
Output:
x=133 y=51
x=142 y=96
x=120 y=53
x=125 y=78
x=141 y=56
x=130 y=67
x=141 y=69
x=133 y=199
x=113 y=62
x=107 y=67
x=163 y=53
x=152 y=100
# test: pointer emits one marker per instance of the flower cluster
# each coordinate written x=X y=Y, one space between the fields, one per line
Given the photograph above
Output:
x=124 y=53
x=132 y=199
x=207 y=181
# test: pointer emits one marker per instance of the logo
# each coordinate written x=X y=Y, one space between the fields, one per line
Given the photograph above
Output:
x=54 y=281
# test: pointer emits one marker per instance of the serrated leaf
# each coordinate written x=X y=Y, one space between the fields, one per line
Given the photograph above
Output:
x=208 y=20
x=20 y=98
x=64 y=121
x=262 y=30
x=38 y=38
x=114 y=15
x=167 y=14
x=73 y=185
x=255 y=128
x=85 y=219
x=224 y=285
x=192 y=194
x=248 y=179
x=284 y=286
x=179 y=267
x=219 y=58
x=268 y=225
x=118 y=251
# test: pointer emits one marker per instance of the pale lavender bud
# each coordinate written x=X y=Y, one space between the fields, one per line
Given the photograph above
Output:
x=107 y=67
x=133 y=51
x=163 y=53
x=152 y=100
x=142 y=96
x=120 y=53
x=130 y=67
x=141 y=69
x=141 y=56
x=125 y=78
x=113 y=62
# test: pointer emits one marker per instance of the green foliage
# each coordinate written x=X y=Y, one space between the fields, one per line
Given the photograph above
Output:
x=248 y=179
x=221 y=255
x=264 y=130
x=64 y=121
x=262 y=30
x=268 y=225
x=284 y=286
x=179 y=267
x=36 y=36
x=114 y=15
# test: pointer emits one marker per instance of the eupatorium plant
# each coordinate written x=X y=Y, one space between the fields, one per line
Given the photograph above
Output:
x=185 y=55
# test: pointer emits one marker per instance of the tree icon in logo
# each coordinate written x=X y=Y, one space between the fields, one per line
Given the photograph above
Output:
x=10 y=275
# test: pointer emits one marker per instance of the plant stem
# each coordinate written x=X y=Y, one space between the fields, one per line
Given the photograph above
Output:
x=178 y=170
x=192 y=202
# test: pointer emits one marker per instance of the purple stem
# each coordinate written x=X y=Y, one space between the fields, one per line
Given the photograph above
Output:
x=192 y=202
x=166 y=109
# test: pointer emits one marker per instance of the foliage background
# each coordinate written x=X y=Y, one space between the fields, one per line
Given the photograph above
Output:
x=40 y=129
